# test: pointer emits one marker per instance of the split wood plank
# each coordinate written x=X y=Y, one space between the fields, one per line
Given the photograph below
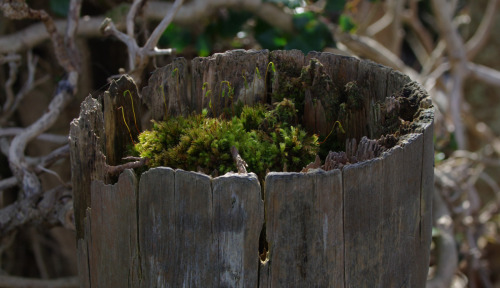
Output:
x=304 y=230
x=114 y=257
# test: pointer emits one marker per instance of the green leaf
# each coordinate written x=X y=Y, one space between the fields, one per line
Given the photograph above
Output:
x=203 y=46
x=346 y=23
x=302 y=20
x=335 y=5
x=59 y=7
x=176 y=37
x=312 y=34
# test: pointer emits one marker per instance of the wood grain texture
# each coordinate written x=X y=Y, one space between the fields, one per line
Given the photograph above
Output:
x=367 y=225
x=157 y=223
x=168 y=91
x=114 y=257
x=194 y=231
x=238 y=220
x=304 y=229
x=122 y=114
x=86 y=140
x=244 y=70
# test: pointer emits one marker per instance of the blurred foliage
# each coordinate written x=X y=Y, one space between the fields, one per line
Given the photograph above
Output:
x=234 y=29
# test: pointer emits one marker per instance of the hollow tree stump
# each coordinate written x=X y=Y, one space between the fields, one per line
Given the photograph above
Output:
x=361 y=218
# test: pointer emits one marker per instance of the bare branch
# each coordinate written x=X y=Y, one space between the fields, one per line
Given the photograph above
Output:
x=48 y=209
x=9 y=57
x=485 y=74
x=238 y=161
x=20 y=10
x=15 y=282
x=109 y=28
x=9 y=91
x=410 y=17
x=59 y=139
x=69 y=36
x=457 y=57
x=49 y=159
x=10 y=107
x=155 y=36
x=447 y=258
x=390 y=20
x=115 y=170
x=132 y=13
x=368 y=47
x=8 y=183
x=64 y=93
x=474 y=45
x=89 y=26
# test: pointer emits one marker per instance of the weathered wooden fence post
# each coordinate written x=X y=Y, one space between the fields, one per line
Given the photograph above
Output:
x=363 y=223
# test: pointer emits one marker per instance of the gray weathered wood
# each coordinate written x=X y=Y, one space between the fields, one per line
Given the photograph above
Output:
x=366 y=225
x=122 y=115
x=244 y=70
x=238 y=220
x=157 y=233
x=114 y=257
x=199 y=232
x=304 y=229
x=86 y=139
x=168 y=91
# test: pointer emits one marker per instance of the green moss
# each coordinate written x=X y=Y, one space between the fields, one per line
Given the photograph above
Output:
x=266 y=140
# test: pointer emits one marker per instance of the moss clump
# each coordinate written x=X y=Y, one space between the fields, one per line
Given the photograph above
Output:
x=266 y=139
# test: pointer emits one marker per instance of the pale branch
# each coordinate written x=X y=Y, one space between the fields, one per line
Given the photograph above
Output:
x=22 y=282
x=370 y=48
x=54 y=138
x=11 y=56
x=390 y=20
x=447 y=255
x=132 y=13
x=485 y=74
x=35 y=34
x=109 y=28
x=116 y=170
x=155 y=36
x=7 y=183
x=53 y=156
x=429 y=81
x=435 y=59
x=455 y=49
x=382 y=23
x=69 y=37
x=238 y=161
x=192 y=12
x=139 y=56
x=47 y=209
x=478 y=40
x=38 y=165
x=410 y=17
x=64 y=93
x=11 y=106
x=9 y=90
x=68 y=59
x=455 y=45
x=417 y=47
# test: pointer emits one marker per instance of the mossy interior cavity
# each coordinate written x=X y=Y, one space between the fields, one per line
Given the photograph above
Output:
x=267 y=139
x=307 y=114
